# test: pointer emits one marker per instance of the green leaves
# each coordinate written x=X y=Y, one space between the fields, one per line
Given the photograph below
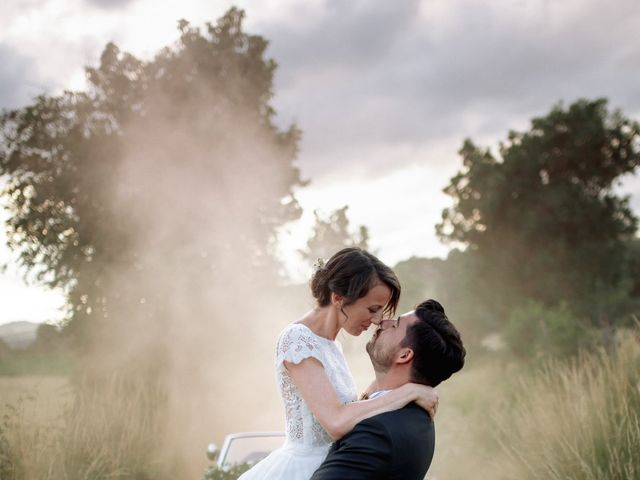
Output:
x=543 y=214
x=332 y=234
x=165 y=168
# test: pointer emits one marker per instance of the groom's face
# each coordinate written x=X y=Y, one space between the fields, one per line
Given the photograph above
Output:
x=386 y=342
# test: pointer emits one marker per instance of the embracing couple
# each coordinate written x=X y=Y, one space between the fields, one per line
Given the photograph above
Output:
x=389 y=433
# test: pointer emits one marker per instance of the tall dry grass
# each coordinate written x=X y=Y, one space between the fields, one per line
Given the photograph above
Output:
x=576 y=421
x=111 y=431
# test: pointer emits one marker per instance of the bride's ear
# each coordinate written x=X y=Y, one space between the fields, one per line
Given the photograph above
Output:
x=336 y=299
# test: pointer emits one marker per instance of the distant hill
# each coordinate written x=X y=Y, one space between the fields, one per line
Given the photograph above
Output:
x=19 y=334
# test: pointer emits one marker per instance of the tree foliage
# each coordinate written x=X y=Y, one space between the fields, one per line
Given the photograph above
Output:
x=453 y=282
x=332 y=234
x=536 y=333
x=543 y=215
x=154 y=199
x=165 y=180
x=48 y=338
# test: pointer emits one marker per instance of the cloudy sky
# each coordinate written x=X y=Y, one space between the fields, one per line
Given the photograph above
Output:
x=384 y=92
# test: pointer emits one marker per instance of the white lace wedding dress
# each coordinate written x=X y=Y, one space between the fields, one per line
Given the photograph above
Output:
x=306 y=442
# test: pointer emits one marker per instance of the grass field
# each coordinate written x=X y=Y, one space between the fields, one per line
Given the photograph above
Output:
x=40 y=399
x=49 y=434
x=27 y=363
x=496 y=420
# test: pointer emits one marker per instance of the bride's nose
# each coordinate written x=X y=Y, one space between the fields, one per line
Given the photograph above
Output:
x=376 y=318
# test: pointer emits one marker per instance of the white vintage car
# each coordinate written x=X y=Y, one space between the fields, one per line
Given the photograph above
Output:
x=240 y=451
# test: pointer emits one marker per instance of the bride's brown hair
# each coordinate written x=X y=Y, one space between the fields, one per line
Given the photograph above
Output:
x=352 y=272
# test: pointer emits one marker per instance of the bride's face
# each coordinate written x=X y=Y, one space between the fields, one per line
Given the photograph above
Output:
x=366 y=310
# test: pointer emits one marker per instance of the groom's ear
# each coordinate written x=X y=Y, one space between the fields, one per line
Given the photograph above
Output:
x=404 y=355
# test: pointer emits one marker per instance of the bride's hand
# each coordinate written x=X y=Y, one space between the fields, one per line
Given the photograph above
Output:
x=427 y=398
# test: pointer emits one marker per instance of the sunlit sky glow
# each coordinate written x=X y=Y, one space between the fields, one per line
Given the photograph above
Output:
x=384 y=92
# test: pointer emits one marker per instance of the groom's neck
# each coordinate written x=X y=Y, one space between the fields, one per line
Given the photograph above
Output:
x=390 y=380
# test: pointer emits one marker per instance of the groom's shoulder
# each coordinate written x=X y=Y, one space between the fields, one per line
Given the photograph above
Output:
x=411 y=419
x=409 y=431
x=408 y=415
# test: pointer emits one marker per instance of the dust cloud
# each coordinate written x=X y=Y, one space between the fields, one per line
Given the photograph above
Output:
x=188 y=287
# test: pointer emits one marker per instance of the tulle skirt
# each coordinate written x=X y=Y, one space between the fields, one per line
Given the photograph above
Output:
x=289 y=462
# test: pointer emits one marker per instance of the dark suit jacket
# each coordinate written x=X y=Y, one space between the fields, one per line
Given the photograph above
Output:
x=395 y=445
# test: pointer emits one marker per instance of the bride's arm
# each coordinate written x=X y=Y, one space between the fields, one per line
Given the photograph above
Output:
x=337 y=418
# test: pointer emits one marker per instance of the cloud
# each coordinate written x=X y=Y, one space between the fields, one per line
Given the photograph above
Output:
x=385 y=100
x=110 y=3
x=343 y=34
x=376 y=87
x=359 y=74
x=417 y=72
x=630 y=185
x=16 y=87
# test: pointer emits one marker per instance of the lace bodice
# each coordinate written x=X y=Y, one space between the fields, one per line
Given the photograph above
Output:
x=296 y=343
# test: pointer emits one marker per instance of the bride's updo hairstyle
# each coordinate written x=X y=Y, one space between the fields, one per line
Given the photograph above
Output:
x=352 y=272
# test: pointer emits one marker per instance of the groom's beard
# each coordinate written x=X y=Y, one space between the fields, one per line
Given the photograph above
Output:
x=380 y=359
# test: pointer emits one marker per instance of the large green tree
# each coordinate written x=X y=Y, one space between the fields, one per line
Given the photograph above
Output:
x=543 y=217
x=154 y=199
x=164 y=183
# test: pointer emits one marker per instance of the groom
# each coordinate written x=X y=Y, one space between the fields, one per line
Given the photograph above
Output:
x=422 y=347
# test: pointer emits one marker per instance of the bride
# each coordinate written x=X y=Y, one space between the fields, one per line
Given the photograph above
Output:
x=353 y=290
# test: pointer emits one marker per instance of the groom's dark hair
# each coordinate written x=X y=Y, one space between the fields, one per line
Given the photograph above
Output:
x=437 y=347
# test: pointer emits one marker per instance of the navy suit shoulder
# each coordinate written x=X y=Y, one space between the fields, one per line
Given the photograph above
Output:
x=395 y=445
x=412 y=436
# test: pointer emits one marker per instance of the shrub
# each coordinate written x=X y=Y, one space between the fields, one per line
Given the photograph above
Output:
x=232 y=474
x=536 y=332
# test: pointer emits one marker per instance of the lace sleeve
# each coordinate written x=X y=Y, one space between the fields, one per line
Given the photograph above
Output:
x=296 y=343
